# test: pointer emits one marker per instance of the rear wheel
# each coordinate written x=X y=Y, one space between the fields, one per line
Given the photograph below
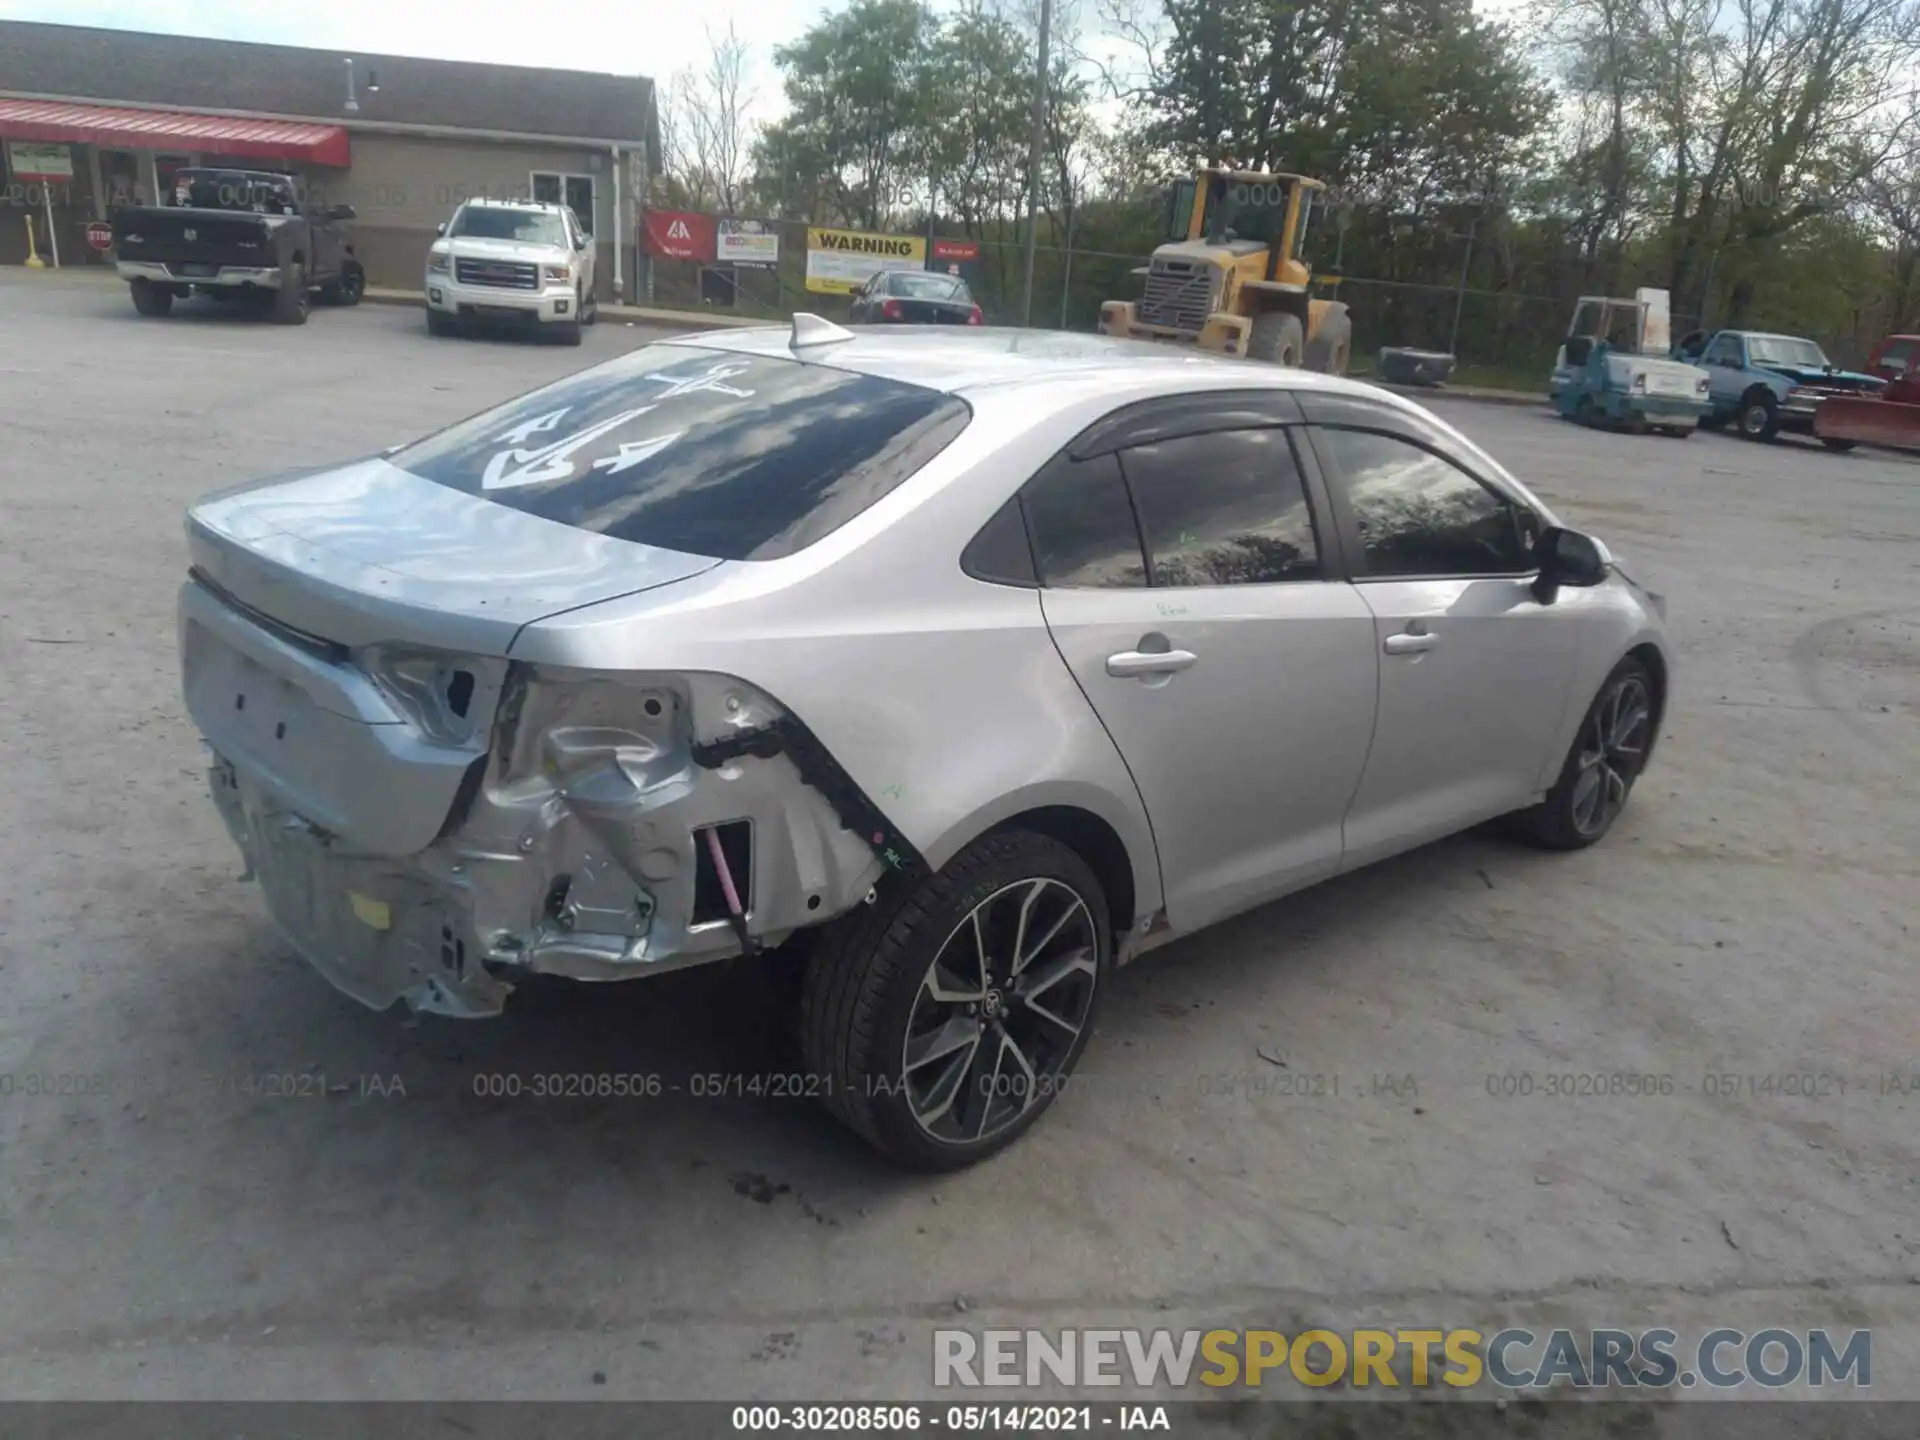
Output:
x=1607 y=757
x=949 y=1014
x=1276 y=338
x=291 y=301
x=149 y=298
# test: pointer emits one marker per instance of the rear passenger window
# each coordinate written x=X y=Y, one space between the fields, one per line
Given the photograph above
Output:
x=1419 y=514
x=1082 y=525
x=1228 y=508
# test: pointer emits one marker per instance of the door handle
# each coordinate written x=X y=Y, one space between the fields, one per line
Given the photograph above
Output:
x=1405 y=644
x=1132 y=663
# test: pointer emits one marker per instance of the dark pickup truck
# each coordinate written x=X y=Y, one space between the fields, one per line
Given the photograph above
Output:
x=237 y=234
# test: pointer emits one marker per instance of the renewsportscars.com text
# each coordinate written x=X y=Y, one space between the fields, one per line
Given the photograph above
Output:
x=1514 y=1358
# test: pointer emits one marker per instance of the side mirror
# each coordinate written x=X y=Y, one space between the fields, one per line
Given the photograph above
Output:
x=1569 y=558
x=441 y=228
x=343 y=212
x=580 y=242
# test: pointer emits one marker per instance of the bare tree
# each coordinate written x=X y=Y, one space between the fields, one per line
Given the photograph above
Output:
x=706 y=137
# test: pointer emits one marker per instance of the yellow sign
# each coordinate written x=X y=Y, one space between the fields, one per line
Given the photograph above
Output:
x=839 y=262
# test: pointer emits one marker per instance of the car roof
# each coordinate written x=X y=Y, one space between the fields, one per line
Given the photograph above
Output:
x=962 y=361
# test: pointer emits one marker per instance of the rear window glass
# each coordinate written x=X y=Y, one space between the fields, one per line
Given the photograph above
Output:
x=741 y=457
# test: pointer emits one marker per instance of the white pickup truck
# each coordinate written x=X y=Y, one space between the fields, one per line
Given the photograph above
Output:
x=521 y=261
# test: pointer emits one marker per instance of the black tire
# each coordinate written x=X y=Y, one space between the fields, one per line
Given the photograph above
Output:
x=566 y=332
x=1276 y=338
x=1573 y=816
x=1839 y=447
x=589 y=309
x=438 y=324
x=347 y=290
x=151 y=299
x=1759 y=415
x=291 y=301
x=866 y=996
x=1584 y=411
x=1332 y=344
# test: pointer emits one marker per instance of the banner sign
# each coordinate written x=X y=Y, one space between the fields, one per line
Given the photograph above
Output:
x=839 y=262
x=749 y=242
x=961 y=250
x=39 y=162
x=680 y=235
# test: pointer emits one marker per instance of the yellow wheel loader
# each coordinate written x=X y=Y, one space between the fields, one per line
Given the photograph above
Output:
x=1232 y=276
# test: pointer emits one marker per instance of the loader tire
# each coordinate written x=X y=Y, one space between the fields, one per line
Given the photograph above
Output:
x=1277 y=338
x=1332 y=344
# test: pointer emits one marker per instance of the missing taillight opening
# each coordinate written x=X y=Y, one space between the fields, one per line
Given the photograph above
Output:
x=460 y=692
x=711 y=900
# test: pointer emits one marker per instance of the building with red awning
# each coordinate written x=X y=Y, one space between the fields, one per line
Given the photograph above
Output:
x=91 y=118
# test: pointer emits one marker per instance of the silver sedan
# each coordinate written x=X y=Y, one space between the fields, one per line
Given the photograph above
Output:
x=946 y=670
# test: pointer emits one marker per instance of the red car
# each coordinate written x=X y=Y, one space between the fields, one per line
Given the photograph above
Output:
x=1896 y=360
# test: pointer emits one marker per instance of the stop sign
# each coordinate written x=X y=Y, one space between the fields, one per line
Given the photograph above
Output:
x=99 y=235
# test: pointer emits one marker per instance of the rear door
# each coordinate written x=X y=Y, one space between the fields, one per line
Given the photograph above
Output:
x=1193 y=589
x=1475 y=673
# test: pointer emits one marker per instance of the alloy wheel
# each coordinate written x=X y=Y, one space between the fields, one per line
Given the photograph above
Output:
x=1000 y=1011
x=1613 y=747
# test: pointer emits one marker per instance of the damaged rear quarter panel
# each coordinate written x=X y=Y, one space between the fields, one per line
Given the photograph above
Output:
x=942 y=696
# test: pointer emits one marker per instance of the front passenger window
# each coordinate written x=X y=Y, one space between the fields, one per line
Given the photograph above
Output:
x=1421 y=515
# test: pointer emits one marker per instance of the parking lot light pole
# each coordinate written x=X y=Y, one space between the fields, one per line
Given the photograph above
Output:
x=1460 y=300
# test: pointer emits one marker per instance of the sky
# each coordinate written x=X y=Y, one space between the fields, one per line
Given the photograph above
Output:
x=656 y=38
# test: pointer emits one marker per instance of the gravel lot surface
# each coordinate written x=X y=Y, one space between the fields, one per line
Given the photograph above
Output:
x=388 y=1233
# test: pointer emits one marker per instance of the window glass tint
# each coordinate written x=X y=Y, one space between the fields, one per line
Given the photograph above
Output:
x=1082 y=525
x=1724 y=351
x=1000 y=554
x=1421 y=515
x=1227 y=508
x=742 y=457
x=485 y=222
x=918 y=285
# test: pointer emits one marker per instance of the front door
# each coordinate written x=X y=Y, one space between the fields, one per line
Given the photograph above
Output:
x=1236 y=677
x=1725 y=363
x=1475 y=673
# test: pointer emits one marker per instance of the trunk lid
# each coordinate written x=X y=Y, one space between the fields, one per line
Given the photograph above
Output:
x=935 y=312
x=368 y=554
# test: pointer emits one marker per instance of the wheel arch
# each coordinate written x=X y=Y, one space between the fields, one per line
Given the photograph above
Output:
x=1655 y=659
x=1096 y=826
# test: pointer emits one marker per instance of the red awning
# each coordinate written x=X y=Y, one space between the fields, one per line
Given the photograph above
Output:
x=54 y=121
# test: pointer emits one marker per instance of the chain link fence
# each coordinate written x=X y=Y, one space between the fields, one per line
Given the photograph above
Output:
x=1500 y=337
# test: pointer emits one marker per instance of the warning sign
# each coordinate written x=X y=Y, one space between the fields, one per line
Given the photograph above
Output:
x=839 y=262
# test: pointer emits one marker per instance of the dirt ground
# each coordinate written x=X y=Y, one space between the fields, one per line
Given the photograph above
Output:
x=167 y=1229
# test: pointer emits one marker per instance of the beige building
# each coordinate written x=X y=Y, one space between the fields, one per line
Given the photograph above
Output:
x=90 y=118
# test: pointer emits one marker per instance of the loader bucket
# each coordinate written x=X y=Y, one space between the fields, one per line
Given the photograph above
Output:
x=1868 y=422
